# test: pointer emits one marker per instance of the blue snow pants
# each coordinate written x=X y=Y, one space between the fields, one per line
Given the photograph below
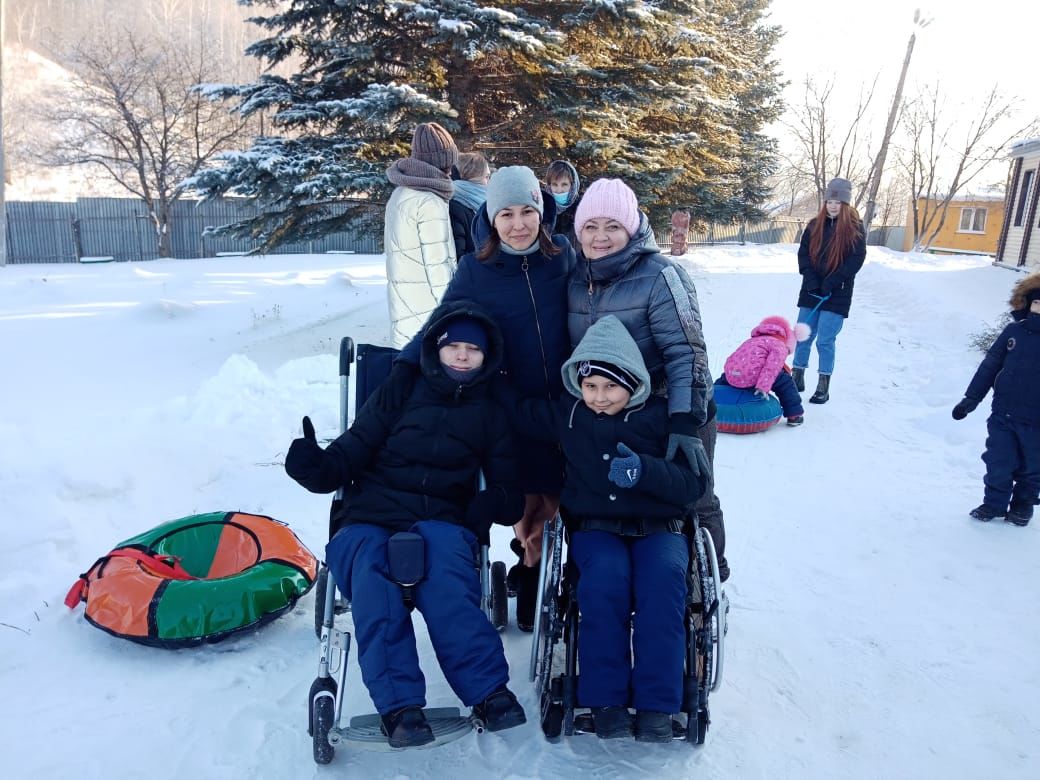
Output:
x=787 y=392
x=467 y=646
x=632 y=596
x=1012 y=459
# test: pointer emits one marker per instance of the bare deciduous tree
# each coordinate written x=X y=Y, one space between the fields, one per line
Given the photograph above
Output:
x=944 y=155
x=131 y=112
x=827 y=144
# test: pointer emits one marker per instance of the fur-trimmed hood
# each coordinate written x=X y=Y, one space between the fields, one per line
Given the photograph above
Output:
x=1020 y=293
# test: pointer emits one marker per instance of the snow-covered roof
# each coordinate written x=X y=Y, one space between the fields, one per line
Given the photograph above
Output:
x=1024 y=147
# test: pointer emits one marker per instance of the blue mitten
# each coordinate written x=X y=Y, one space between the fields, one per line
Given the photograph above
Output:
x=625 y=471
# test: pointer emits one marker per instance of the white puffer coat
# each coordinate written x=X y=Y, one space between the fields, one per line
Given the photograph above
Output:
x=420 y=259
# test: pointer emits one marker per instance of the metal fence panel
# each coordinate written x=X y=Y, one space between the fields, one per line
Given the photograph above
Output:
x=39 y=232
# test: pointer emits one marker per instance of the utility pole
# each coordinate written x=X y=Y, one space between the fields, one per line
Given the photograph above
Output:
x=879 y=163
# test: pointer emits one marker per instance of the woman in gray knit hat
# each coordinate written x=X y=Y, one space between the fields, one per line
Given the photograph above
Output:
x=832 y=251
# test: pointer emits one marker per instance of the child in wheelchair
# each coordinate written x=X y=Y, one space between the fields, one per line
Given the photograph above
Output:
x=624 y=505
x=416 y=470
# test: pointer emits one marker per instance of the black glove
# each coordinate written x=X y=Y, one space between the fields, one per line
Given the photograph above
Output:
x=961 y=410
x=683 y=437
x=307 y=462
x=495 y=505
x=397 y=387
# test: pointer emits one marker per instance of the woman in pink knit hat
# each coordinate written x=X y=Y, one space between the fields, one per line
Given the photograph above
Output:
x=621 y=271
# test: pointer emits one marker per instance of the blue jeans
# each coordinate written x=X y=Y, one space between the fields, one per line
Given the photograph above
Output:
x=632 y=596
x=826 y=325
x=468 y=648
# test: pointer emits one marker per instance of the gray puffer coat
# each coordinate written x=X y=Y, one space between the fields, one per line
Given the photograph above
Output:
x=656 y=301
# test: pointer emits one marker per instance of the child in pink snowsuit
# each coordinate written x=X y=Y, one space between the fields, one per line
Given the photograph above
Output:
x=760 y=363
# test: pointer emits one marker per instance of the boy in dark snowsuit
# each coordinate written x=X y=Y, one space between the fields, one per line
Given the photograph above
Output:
x=625 y=506
x=416 y=469
x=1012 y=368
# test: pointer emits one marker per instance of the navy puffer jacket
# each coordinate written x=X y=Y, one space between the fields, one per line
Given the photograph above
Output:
x=424 y=464
x=656 y=301
x=1012 y=368
x=526 y=296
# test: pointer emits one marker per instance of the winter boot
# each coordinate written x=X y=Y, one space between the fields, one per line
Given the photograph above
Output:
x=612 y=722
x=526 y=596
x=823 y=390
x=798 y=374
x=653 y=726
x=500 y=711
x=985 y=513
x=407 y=728
x=511 y=576
x=1019 y=514
x=794 y=422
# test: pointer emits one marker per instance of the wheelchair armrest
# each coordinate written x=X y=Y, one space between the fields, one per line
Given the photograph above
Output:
x=406 y=557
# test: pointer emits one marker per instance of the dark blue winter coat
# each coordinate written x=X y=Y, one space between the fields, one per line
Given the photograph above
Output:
x=424 y=464
x=839 y=283
x=657 y=302
x=526 y=295
x=1012 y=368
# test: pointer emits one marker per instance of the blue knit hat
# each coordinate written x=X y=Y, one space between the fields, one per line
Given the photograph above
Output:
x=465 y=329
x=514 y=185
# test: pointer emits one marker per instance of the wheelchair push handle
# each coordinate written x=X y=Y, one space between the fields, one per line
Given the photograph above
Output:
x=346 y=355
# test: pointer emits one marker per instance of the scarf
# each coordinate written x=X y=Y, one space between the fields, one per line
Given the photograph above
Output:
x=470 y=194
x=409 y=172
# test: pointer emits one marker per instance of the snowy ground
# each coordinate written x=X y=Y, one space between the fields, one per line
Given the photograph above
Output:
x=875 y=630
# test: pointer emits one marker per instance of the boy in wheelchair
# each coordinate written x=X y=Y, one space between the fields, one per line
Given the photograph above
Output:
x=624 y=505
x=416 y=470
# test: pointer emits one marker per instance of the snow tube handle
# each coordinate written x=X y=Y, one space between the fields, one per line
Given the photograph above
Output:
x=168 y=566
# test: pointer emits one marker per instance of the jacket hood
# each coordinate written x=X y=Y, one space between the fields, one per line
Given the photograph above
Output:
x=572 y=194
x=610 y=341
x=429 y=357
x=780 y=328
x=481 y=228
x=1021 y=290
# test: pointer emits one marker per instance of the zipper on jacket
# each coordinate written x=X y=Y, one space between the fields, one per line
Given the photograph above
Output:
x=538 y=326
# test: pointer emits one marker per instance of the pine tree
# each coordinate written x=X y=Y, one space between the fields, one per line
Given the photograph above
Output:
x=365 y=73
x=670 y=96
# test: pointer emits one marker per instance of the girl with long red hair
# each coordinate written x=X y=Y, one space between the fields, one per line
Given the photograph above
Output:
x=832 y=251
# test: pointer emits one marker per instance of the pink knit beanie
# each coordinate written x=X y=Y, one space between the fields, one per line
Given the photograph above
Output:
x=608 y=199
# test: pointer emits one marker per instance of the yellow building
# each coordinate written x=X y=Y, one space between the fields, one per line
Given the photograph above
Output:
x=972 y=226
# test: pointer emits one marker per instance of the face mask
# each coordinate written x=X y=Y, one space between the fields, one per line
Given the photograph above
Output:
x=562 y=198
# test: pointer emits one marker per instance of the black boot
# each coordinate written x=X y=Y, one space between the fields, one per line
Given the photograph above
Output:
x=653 y=727
x=612 y=722
x=407 y=728
x=985 y=513
x=1019 y=514
x=798 y=374
x=500 y=711
x=823 y=390
x=526 y=596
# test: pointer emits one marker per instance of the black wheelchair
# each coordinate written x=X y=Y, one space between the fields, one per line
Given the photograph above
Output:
x=325 y=702
x=554 y=647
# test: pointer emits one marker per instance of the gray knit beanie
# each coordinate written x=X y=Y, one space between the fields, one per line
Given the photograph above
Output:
x=432 y=144
x=839 y=189
x=514 y=185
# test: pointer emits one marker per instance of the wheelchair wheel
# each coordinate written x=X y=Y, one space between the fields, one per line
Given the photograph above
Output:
x=499 y=598
x=322 y=715
x=552 y=717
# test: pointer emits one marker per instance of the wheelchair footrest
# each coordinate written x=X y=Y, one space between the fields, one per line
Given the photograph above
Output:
x=583 y=724
x=448 y=724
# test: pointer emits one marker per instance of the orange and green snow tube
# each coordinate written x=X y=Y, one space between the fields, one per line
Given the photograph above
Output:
x=198 y=579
